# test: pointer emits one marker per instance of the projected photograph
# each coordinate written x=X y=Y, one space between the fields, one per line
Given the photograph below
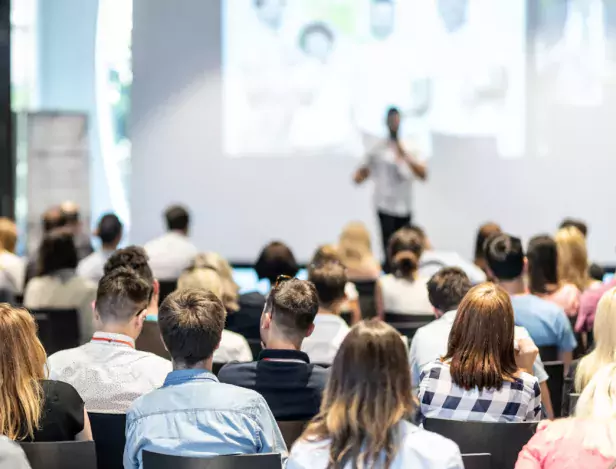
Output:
x=315 y=77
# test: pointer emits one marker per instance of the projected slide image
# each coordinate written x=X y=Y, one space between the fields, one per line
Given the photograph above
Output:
x=315 y=77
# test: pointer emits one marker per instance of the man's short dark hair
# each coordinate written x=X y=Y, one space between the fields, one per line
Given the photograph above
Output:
x=329 y=279
x=53 y=218
x=177 y=218
x=575 y=223
x=109 y=228
x=391 y=111
x=276 y=259
x=293 y=305
x=191 y=323
x=121 y=294
x=447 y=287
x=133 y=257
x=505 y=256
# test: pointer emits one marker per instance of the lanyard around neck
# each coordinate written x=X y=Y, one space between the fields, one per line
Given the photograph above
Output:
x=110 y=341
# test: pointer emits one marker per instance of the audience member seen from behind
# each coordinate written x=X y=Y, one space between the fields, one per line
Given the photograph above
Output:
x=52 y=219
x=355 y=250
x=370 y=367
x=330 y=329
x=283 y=374
x=109 y=231
x=74 y=225
x=543 y=276
x=545 y=321
x=574 y=223
x=58 y=285
x=230 y=289
x=33 y=408
x=108 y=372
x=587 y=441
x=173 y=252
x=403 y=291
x=12 y=265
x=193 y=414
x=478 y=378
x=275 y=259
x=572 y=258
x=485 y=231
x=233 y=347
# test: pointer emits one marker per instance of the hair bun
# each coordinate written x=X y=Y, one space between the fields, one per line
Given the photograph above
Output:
x=405 y=263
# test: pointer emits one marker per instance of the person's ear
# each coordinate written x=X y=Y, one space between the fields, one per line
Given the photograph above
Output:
x=310 y=330
x=266 y=320
x=437 y=312
x=140 y=319
x=97 y=317
x=525 y=267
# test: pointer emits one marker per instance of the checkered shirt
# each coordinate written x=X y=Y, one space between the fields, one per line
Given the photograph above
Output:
x=440 y=397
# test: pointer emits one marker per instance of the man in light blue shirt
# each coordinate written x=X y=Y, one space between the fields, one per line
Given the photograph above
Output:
x=193 y=414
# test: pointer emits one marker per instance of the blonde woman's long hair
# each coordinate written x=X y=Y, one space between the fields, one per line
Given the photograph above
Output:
x=604 y=330
x=368 y=394
x=230 y=289
x=22 y=368
x=572 y=257
x=355 y=246
x=598 y=404
x=8 y=235
x=203 y=278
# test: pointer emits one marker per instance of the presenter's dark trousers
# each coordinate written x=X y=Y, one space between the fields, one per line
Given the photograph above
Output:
x=389 y=225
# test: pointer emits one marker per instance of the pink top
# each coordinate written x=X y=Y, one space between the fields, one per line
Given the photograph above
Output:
x=559 y=445
x=567 y=297
x=588 y=306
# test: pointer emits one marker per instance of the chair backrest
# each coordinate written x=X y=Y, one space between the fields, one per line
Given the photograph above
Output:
x=216 y=367
x=61 y=455
x=166 y=288
x=58 y=329
x=243 y=461
x=150 y=341
x=556 y=383
x=367 y=301
x=573 y=400
x=292 y=430
x=503 y=441
x=548 y=353
x=477 y=461
x=108 y=431
x=407 y=324
x=347 y=317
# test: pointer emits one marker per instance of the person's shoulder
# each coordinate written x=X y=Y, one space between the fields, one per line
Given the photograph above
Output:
x=530 y=381
x=415 y=440
x=233 y=339
x=158 y=364
x=65 y=356
x=253 y=298
x=238 y=373
x=319 y=375
x=309 y=453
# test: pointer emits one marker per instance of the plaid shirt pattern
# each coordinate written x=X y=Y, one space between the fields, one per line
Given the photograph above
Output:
x=440 y=397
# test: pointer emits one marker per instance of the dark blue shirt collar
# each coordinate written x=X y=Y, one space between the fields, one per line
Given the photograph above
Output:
x=184 y=376
x=268 y=354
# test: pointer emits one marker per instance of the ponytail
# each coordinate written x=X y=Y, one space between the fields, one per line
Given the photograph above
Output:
x=405 y=264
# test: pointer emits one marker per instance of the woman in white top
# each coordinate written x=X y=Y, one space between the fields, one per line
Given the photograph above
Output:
x=403 y=291
x=233 y=347
x=58 y=286
x=371 y=367
x=14 y=267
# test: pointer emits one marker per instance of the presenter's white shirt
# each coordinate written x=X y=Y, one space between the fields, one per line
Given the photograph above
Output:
x=170 y=255
x=233 y=348
x=108 y=372
x=324 y=342
x=392 y=179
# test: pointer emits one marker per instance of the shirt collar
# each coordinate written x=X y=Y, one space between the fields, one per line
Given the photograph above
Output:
x=114 y=339
x=185 y=376
x=297 y=355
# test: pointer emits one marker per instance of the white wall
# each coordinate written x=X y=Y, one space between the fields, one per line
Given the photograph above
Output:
x=239 y=204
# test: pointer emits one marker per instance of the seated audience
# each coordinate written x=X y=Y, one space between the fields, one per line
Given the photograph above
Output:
x=367 y=405
x=73 y=224
x=485 y=231
x=545 y=321
x=283 y=374
x=355 y=251
x=478 y=378
x=587 y=441
x=403 y=291
x=11 y=455
x=572 y=258
x=110 y=233
x=193 y=414
x=58 y=285
x=33 y=408
x=233 y=347
x=13 y=266
x=588 y=305
x=543 y=275
x=173 y=252
x=433 y=260
x=108 y=372
x=329 y=279
x=275 y=260
x=230 y=289
x=446 y=289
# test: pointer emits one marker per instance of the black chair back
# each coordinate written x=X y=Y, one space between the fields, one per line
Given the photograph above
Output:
x=347 y=317
x=108 y=431
x=573 y=400
x=292 y=430
x=255 y=347
x=367 y=301
x=58 y=329
x=216 y=367
x=166 y=288
x=150 y=341
x=407 y=324
x=477 y=461
x=503 y=441
x=549 y=353
x=61 y=455
x=243 y=461
x=556 y=383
